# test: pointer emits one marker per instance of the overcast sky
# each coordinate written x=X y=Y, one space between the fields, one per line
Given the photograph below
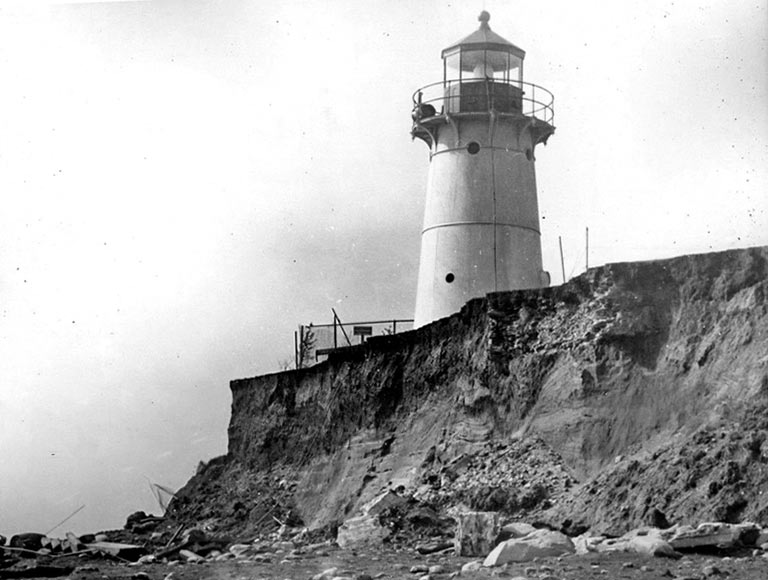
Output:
x=183 y=182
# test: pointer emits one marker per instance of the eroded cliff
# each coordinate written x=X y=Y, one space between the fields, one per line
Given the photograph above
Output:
x=634 y=389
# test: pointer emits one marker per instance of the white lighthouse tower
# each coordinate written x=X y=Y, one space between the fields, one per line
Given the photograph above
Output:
x=481 y=223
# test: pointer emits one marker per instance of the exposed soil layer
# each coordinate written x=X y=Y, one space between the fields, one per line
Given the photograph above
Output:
x=632 y=390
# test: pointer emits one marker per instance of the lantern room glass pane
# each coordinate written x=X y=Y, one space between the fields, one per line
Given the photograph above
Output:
x=515 y=69
x=477 y=64
x=511 y=72
x=452 y=66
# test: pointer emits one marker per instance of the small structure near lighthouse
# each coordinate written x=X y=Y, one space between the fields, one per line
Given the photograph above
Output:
x=481 y=222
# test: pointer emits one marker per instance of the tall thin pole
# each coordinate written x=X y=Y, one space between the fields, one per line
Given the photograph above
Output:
x=295 y=349
x=341 y=325
x=587 y=250
x=562 y=262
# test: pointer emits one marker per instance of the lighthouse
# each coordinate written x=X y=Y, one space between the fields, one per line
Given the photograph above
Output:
x=481 y=220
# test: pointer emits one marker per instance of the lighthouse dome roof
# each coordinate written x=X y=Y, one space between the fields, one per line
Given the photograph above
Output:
x=484 y=39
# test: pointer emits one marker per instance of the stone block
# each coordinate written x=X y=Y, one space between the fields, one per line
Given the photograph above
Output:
x=647 y=541
x=517 y=530
x=539 y=544
x=707 y=535
x=190 y=556
x=471 y=567
x=476 y=533
x=364 y=529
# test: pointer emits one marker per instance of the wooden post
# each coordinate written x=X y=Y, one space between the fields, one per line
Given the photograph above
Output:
x=301 y=346
x=344 y=332
x=562 y=262
x=295 y=349
x=587 y=250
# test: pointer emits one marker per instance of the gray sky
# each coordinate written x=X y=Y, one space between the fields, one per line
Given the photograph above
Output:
x=183 y=182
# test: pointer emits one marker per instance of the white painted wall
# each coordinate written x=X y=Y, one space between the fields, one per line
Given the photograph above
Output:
x=481 y=221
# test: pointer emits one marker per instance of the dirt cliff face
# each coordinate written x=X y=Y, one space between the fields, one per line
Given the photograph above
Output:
x=633 y=389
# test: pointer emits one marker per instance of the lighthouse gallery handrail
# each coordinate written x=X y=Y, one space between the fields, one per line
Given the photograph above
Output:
x=446 y=97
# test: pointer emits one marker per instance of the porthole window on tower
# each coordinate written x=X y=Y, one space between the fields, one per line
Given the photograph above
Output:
x=449 y=277
x=473 y=148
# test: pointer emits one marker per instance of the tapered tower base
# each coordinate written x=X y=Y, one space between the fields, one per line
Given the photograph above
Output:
x=481 y=221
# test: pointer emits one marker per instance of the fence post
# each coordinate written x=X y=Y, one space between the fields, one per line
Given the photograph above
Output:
x=341 y=325
x=296 y=349
x=586 y=250
x=301 y=345
x=562 y=261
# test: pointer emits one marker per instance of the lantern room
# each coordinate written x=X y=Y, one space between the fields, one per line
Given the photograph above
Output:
x=483 y=72
x=483 y=55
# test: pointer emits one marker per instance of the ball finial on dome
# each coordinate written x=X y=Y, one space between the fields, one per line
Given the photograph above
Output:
x=484 y=18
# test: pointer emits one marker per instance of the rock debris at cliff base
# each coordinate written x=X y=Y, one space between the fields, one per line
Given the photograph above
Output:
x=639 y=386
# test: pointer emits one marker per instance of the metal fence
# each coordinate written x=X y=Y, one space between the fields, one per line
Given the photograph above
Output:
x=313 y=342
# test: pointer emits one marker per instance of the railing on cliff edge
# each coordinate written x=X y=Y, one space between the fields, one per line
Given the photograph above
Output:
x=313 y=342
